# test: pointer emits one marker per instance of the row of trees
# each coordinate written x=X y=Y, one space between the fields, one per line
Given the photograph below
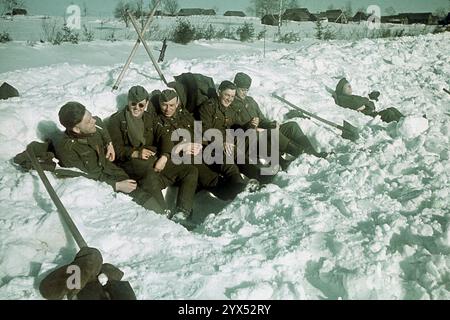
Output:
x=139 y=9
x=260 y=8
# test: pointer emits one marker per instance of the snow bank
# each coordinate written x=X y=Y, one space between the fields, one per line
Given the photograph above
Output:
x=412 y=127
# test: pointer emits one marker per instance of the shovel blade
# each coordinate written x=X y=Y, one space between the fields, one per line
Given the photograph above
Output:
x=55 y=285
x=349 y=132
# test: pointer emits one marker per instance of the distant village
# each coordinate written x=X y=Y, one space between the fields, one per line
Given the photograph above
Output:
x=336 y=16
x=303 y=14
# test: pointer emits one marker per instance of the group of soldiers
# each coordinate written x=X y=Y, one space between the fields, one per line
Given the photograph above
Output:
x=133 y=151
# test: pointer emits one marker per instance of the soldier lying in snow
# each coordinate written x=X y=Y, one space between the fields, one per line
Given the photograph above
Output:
x=343 y=96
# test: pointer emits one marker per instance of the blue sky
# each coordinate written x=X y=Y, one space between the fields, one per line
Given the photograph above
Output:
x=105 y=7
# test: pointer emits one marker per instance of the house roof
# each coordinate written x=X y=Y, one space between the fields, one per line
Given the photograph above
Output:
x=270 y=19
x=360 y=16
x=334 y=15
x=416 y=15
x=298 y=13
x=234 y=13
x=195 y=11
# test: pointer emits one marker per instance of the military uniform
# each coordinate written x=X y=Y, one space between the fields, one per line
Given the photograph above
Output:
x=215 y=116
x=208 y=176
x=87 y=153
x=292 y=140
x=158 y=141
x=355 y=102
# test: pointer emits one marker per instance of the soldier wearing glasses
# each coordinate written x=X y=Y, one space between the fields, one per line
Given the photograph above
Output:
x=143 y=149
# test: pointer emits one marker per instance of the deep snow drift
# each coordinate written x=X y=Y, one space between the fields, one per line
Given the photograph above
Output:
x=370 y=222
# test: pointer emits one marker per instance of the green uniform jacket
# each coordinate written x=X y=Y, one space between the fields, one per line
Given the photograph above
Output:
x=156 y=138
x=352 y=101
x=88 y=155
x=356 y=102
x=247 y=109
x=182 y=119
x=214 y=116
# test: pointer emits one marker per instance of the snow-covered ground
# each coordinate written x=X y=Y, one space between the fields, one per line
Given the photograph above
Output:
x=31 y=28
x=370 y=222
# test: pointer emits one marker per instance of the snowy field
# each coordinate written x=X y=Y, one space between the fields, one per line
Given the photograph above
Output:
x=30 y=28
x=369 y=222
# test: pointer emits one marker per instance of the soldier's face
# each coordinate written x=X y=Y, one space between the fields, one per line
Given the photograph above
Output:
x=87 y=125
x=137 y=109
x=226 y=97
x=169 y=108
x=241 y=92
x=347 y=89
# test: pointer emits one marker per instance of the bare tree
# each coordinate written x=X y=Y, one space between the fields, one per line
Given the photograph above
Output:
x=120 y=12
x=260 y=8
x=171 y=6
x=440 y=12
x=263 y=7
x=348 y=9
x=139 y=8
x=292 y=4
x=84 y=9
x=280 y=14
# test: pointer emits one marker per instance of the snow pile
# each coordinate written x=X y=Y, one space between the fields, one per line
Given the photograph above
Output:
x=369 y=222
x=411 y=127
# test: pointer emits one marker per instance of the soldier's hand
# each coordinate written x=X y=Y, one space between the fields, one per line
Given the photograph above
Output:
x=126 y=186
x=255 y=122
x=194 y=149
x=160 y=164
x=146 y=154
x=274 y=125
x=110 y=153
x=229 y=148
x=179 y=147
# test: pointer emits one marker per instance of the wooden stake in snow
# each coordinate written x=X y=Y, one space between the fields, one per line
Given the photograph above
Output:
x=147 y=48
x=136 y=46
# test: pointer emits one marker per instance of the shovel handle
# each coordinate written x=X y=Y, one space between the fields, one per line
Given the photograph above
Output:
x=445 y=90
x=307 y=113
x=62 y=210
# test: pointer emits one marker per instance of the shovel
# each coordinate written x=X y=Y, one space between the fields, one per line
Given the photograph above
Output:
x=445 y=90
x=349 y=132
x=80 y=278
x=163 y=51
